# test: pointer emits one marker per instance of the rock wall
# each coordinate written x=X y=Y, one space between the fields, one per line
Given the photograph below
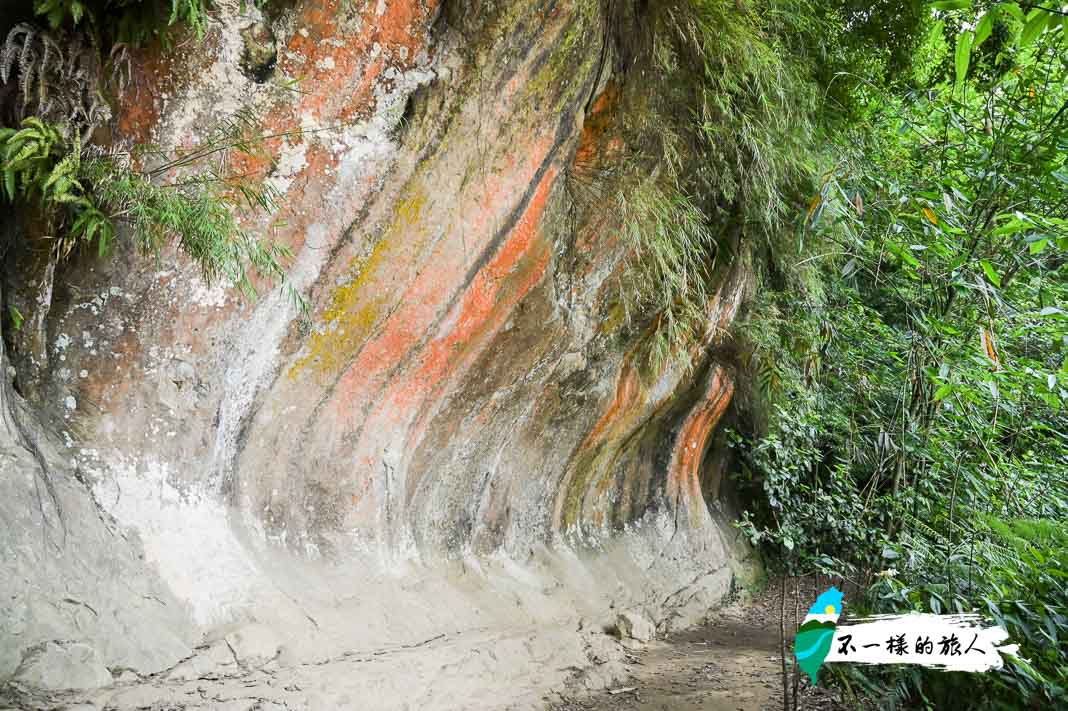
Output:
x=464 y=417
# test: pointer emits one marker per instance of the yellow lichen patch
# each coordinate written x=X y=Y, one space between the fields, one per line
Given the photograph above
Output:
x=408 y=211
x=569 y=54
x=346 y=323
x=328 y=350
x=613 y=319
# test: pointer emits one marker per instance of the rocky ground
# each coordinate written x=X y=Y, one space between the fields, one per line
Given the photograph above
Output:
x=730 y=664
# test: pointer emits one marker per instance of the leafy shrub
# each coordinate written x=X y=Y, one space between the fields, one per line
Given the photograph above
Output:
x=124 y=21
x=85 y=196
x=918 y=348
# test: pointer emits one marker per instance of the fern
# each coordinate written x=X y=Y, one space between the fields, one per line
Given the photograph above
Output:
x=193 y=215
x=86 y=196
x=58 y=80
x=30 y=156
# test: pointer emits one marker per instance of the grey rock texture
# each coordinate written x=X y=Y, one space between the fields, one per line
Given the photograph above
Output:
x=253 y=645
x=59 y=666
x=460 y=455
x=70 y=574
x=633 y=625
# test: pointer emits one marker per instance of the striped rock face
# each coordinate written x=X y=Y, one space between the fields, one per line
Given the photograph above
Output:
x=465 y=383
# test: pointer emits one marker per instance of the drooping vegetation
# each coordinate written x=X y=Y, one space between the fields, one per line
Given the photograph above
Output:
x=84 y=193
x=717 y=108
x=725 y=105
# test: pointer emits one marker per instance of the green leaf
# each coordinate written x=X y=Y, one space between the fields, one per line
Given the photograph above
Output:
x=985 y=27
x=1036 y=22
x=963 y=55
x=903 y=254
x=1012 y=227
x=992 y=275
x=942 y=392
x=951 y=4
x=1038 y=245
x=16 y=317
x=1013 y=9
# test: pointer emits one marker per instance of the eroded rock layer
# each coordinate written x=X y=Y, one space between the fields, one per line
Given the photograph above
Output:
x=465 y=387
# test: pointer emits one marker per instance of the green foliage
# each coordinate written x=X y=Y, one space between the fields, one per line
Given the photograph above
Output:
x=36 y=161
x=194 y=216
x=675 y=250
x=132 y=22
x=722 y=127
x=85 y=197
x=921 y=391
x=719 y=126
x=753 y=102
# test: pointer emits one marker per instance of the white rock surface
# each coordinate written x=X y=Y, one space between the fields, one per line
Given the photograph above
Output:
x=253 y=645
x=633 y=625
x=68 y=573
x=59 y=666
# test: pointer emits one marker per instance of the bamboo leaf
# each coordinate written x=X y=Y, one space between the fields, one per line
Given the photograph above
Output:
x=985 y=27
x=1036 y=22
x=963 y=55
x=992 y=275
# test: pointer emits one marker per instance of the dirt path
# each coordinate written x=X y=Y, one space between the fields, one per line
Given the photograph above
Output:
x=730 y=664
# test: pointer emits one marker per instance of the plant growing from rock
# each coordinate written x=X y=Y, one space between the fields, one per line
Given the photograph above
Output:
x=53 y=85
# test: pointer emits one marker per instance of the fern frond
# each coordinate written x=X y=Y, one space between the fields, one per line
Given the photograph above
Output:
x=58 y=77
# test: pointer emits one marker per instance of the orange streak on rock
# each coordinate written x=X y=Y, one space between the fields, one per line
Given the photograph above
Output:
x=419 y=305
x=626 y=403
x=411 y=396
x=483 y=306
x=627 y=391
x=684 y=472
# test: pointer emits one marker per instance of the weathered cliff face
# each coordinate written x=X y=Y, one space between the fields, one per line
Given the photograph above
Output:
x=465 y=397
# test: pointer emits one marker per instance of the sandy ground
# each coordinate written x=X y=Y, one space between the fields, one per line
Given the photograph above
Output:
x=730 y=664
x=484 y=634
